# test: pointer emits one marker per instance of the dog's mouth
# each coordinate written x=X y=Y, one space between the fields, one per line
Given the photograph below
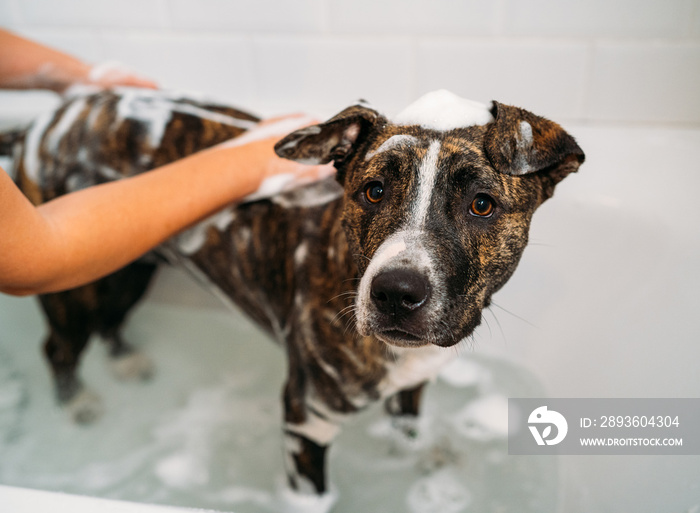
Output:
x=400 y=338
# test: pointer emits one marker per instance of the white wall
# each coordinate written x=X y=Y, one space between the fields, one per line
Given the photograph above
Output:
x=589 y=60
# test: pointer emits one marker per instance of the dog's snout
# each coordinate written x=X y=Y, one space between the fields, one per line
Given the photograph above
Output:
x=399 y=291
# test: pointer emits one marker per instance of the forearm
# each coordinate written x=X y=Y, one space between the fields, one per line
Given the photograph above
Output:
x=25 y=64
x=85 y=235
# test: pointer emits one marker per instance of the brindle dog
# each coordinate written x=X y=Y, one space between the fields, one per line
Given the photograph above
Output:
x=365 y=281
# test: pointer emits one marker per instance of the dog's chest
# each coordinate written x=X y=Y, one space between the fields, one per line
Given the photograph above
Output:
x=413 y=366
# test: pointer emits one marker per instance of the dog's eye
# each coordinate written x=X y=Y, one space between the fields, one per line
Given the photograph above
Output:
x=374 y=192
x=482 y=206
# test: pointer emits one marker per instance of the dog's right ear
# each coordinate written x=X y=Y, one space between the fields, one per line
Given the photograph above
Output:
x=336 y=139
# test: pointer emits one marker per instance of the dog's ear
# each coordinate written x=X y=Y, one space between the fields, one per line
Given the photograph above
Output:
x=336 y=139
x=518 y=142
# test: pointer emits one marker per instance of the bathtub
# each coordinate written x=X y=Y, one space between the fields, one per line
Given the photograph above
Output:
x=604 y=304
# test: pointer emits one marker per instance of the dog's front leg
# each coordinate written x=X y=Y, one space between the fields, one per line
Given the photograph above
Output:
x=404 y=407
x=306 y=462
x=307 y=435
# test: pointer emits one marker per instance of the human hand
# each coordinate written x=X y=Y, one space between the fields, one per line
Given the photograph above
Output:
x=111 y=73
x=277 y=174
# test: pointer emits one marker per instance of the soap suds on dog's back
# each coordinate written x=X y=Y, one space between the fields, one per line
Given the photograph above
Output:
x=33 y=144
x=71 y=114
x=155 y=110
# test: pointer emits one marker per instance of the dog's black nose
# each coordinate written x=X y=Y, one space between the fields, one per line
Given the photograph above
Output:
x=399 y=291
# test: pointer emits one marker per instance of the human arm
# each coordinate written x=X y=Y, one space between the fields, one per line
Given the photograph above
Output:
x=26 y=64
x=87 y=234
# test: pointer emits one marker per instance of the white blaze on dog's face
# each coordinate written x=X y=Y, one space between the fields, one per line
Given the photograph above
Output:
x=437 y=206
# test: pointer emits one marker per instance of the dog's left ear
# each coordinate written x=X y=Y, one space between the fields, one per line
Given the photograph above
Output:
x=518 y=142
x=336 y=139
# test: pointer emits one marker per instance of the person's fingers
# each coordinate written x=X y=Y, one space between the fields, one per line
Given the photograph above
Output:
x=302 y=172
x=313 y=173
x=108 y=74
x=273 y=129
x=268 y=132
x=282 y=117
x=127 y=80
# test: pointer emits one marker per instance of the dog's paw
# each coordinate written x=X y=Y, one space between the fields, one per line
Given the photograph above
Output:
x=132 y=366
x=406 y=435
x=407 y=427
x=293 y=501
x=85 y=407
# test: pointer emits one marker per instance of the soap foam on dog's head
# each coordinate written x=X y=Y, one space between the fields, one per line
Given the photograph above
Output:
x=443 y=110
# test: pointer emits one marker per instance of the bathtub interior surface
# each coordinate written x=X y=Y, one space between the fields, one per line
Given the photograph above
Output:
x=604 y=304
x=206 y=431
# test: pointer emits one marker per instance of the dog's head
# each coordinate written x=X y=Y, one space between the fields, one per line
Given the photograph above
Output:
x=437 y=206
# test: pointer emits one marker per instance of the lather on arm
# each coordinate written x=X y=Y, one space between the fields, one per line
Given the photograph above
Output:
x=25 y=64
x=87 y=234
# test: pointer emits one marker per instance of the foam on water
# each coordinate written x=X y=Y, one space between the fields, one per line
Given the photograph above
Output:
x=441 y=492
x=289 y=501
x=205 y=432
x=484 y=419
x=12 y=397
x=463 y=373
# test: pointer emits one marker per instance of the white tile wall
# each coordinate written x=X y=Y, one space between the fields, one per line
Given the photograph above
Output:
x=94 y=13
x=610 y=18
x=332 y=73
x=654 y=82
x=9 y=14
x=217 y=64
x=249 y=15
x=435 y=17
x=547 y=78
x=595 y=60
x=695 y=21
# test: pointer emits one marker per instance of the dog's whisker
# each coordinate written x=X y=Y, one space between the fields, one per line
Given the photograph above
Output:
x=468 y=342
x=342 y=313
x=448 y=330
x=344 y=295
x=347 y=311
x=541 y=244
x=488 y=325
x=463 y=345
x=498 y=323
x=514 y=315
x=351 y=324
x=391 y=354
x=473 y=343
x=348 y=307
x=362 y=256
